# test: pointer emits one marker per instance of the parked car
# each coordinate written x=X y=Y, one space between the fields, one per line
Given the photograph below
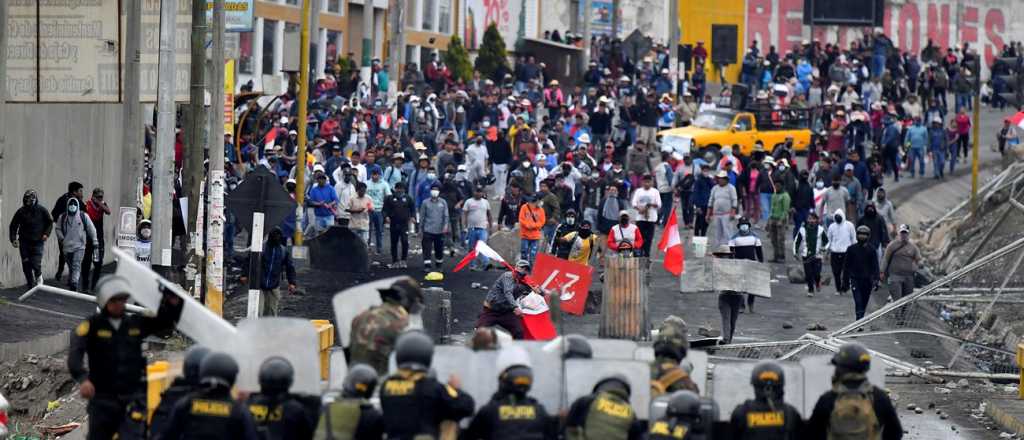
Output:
x=713 y=129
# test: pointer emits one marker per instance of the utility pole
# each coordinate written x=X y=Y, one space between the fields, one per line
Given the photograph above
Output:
x=587 y=17
x=3 y=88
x=673 y=45
x=131 y=143
x=215 y=179
x=367 y=69
x=975 y=68
x=195 y=127
x=163 y=157
x=300 y=157
x=396 y=51
x=615 y=19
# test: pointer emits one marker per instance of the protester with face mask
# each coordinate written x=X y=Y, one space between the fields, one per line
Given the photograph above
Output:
x=433 y=214
x=582 y=243
x=809 y=246
x=30 y=227
x=861 y=269
x=144 y=242
x=624 y=239
x=722 y=207
x=275 y=260
x=841 y=235
x=561 y=245
x=501 y=306
x=746 y=245
x=532 y=219
x=835 y=198
x=75 y=230
x=879 y=237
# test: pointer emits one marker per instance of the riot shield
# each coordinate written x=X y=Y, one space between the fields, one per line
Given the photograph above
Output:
x=582 y=374
x=613 y=348
x=291 y=338
x=196 y=322
x=547 y=373
x=477 y=370
x=698 y=363
x=350 y=302
x=731 y=384
x=339 y=368
x=818 y=372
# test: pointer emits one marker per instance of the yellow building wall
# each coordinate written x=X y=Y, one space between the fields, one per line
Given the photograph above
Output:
x=695 y=20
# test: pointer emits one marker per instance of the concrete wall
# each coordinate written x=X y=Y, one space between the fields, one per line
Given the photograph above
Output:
x=650 y=16
x=45 y=146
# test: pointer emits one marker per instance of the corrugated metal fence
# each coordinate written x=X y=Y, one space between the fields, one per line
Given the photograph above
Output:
x=624 y=312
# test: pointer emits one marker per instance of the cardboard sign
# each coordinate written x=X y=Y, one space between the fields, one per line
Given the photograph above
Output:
x=571 y=281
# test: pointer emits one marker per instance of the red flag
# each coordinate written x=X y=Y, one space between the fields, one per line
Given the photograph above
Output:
x=672 y=246
x=481 y=248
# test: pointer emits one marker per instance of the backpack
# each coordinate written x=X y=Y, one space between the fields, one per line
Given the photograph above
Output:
x=853 y=415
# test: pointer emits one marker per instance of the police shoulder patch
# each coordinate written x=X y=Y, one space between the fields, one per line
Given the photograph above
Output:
x=82 y=329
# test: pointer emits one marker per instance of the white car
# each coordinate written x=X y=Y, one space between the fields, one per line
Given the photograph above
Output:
x=3 y=417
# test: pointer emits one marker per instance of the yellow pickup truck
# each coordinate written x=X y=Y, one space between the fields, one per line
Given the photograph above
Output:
x=713 y=129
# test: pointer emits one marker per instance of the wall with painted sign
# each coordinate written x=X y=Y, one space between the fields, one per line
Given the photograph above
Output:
x=514 y=18
x=150 y=49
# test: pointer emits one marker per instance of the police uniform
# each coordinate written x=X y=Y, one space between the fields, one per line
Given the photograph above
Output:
x=507 y=417
x=279 y=417
x=178 y=390
x=210 y=415
x=374 y=333
x=667 y=377
x=602 y=415
x=669 y=429
x=415 y=404
x=756 y=419
x=350 y=418
x=117 y=368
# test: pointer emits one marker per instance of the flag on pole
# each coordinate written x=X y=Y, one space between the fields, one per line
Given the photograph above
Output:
x=672 y=246
x=481 y=248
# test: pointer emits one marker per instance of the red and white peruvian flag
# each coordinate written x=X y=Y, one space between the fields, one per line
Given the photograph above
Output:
x=672 y=246
x=481 y=248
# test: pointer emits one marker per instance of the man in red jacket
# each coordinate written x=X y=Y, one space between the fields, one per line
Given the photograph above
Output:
x=95 y=208
x=624 y=237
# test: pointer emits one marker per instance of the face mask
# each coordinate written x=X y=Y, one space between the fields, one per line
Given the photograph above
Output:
x=861 y=237
x=881 y=196
x=434 y=193
x=835 y=184
x=819 y=184
x=838 y=219
x=28 y=201
x=566 y=169
x=72 y=209
x=624 y=221
x=431 y=176
x=744 y=228
x=526 y=164
x=870 y=211
x=570 y=220
x=348 y=179
x=146 y=233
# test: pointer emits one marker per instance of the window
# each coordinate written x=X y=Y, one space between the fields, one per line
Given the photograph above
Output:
x=334 y=42
x=292 y=2
x=409 y=52
x=269 y=31
x=428 y=15
x=410 y=13
x=334 y=6
x=245 y=59
x=444 y=19
x=743 y=123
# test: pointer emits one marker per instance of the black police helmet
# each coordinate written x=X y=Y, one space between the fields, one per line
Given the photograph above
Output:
x=517 y=378
x=193 y=359
x=615 y=384
x=852 y=357
x=578 y=347
x=768 y=380
x=684 y=404
x=414 y=350
x=360 y=381
x=218 y=368
x=276 y=375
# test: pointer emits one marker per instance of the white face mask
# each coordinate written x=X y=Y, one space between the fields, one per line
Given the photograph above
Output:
x=434 y=193
x=146 y=233
x=744 y=228
x=570 y=220
x=526 y=164
x=819 y=184
x=431 y=176
x=72 y=209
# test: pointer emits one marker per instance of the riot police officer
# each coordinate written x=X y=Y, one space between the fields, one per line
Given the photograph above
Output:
x=511 y=413
x=180 y=388
x=767 y=416
x=670 y=349
x=853 y=408
x=577 y=347
x=374 y=331
x=683 y=419
x=276 y=413
x=353 y=416
x=604 y=414
x=114 y=380
x=413 y=401
x=211 y=413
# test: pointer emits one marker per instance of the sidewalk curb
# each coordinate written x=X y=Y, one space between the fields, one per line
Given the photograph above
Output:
x=1002 y=417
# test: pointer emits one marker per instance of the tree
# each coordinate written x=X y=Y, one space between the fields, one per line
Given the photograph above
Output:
x=491 y=59
x=457 y=59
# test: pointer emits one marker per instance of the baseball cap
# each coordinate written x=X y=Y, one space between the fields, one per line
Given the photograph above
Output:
x=848 y=167
x=722 y=174
x=904 y=228
x=522 y=264
x=863 y=230
x=624 y=213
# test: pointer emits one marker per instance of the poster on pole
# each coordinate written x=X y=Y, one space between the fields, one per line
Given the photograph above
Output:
x=238 y=15
x=229 y=97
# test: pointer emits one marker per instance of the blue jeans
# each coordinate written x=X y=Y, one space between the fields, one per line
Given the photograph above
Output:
x=766 y=206
x=877 y=65
x=938 y=162
x=528 y=249
x=377 y=229
x=474 y=235
x=963 y=100
x=952 y=160
x=916 y=155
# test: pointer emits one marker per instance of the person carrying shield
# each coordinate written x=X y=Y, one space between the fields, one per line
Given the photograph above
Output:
x=604 y=414
x=375 y=331
x=511 y=413
x=279 y=415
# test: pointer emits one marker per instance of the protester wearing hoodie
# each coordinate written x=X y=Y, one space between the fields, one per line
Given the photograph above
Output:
x=75 y=230
x=275 y=261
x=92 y=263
x=841 y=234
x=879 y=237
x=861 y=269
x=74 y=192
x=809 y=245
x=30 y=227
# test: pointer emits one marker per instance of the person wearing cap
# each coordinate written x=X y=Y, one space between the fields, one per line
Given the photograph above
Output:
x=861 y=270
x=532 y=219
x=393 y=173
x=722 y=208
x=553 y=97
x=501 y=305
x=625 y=239
x=899 y=264
x=854 y=188
x=703 y=183
x=112 y=377
x=434 y=221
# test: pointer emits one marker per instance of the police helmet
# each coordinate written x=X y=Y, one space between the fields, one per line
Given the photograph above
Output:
x=684 y=404
x=615 y=384
x=414 y=350
x=193 y=359
x=110 y=287
x=768 y=380
x=276 y=375
x=360 y=381
x=406 y=292
x=218 y=368
x=517 y=379
x=852 y=357
x=577 y=347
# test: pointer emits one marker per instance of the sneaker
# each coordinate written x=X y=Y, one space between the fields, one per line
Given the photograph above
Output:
x=889 y=299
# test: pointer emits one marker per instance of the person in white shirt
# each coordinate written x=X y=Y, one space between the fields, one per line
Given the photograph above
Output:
x=722 y=208
x=647 y=202
x=476 y=159
x=841 y=234
x=706 y=105
x=476 y=216
x=346 y=189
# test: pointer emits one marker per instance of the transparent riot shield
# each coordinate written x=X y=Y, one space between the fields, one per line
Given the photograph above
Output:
x=350 y=302
x=291 y=338
x=818 y=372
x=196 y=322
x=731 y=385
x=698 y=364
x=582 y=374
x=546 y=359
x=476 y=369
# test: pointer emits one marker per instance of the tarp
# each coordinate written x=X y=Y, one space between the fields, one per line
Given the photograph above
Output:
x=338 y=250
